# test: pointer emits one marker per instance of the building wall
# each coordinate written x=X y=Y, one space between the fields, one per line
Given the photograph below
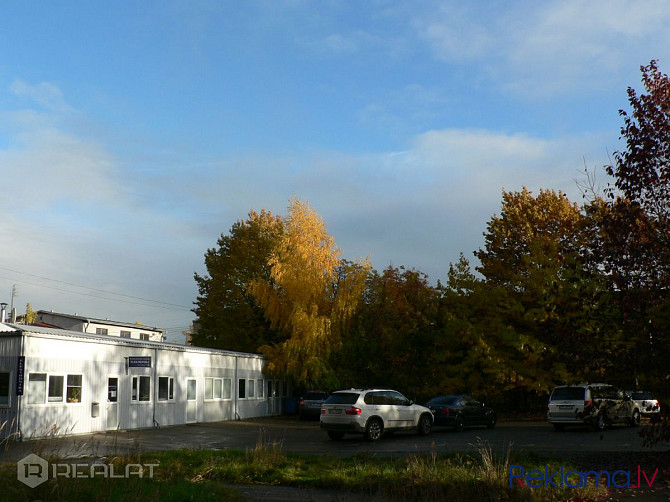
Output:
x=173 y=371
x=113 y=328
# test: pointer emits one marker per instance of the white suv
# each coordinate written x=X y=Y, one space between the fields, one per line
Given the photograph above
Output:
x=596 y=404
x=372 y=412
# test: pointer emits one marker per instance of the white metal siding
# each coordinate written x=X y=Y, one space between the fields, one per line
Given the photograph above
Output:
x=97 y=358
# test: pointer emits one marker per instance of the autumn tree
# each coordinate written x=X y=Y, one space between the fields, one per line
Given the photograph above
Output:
x=228 y=316
x=642 y=174
x=637 y=244
x=391 y=336
x=535 y=251
x=308 y=296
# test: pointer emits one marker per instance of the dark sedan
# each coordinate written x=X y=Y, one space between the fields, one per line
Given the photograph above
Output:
x=309 y=405
x=461 y=411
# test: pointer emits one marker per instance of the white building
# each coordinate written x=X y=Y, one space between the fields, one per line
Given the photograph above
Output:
x=99 y=326
x=74 y=382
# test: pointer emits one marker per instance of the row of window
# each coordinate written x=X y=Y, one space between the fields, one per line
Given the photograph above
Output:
x=124 y=333
x=53 y=388
x=47 y=388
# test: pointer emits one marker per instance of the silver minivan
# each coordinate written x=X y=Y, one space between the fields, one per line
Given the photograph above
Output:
x=596 y=405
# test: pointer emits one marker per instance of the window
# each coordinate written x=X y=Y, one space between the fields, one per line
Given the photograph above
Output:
x=55 y=394
x=165 y=389
x=252 y=387
x=241 y=391
x=259 y=388
x=227 y=388
x=144 y=336
x=218 y=385
x=4 y=388
x=141 y=389
x=217 y=388
x=125 y=334
x=74 y=388
x=101 y=331
x=37 y=388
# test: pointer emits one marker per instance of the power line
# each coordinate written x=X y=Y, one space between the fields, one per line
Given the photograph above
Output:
x=158 y=304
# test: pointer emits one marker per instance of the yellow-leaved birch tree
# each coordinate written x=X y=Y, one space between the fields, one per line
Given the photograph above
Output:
x=310 y=296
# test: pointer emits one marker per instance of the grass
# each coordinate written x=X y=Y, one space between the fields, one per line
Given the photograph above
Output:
x=205 y=475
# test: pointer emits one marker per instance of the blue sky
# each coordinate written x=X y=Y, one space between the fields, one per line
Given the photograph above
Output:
x=132 y=134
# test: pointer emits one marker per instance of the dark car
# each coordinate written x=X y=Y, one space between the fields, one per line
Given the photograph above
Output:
x=310 y=404
x=461 y=411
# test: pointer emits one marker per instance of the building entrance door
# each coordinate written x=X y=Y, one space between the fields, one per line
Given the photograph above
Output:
x=112 y=403
x=191 y=403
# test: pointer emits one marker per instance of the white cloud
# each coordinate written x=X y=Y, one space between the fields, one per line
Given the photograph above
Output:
x=548 y=48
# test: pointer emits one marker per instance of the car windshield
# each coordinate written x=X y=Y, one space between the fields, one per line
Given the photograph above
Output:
x=445 y=400
x=315 y=396
x=642 y=395
x=342 y=398
x=568 y=394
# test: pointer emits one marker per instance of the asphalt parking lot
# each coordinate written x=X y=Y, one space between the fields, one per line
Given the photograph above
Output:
x=293 y=435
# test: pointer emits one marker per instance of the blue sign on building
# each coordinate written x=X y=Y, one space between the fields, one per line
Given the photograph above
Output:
x=139 y=362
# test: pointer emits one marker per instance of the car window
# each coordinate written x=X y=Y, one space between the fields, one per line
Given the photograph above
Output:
x=377 y=398
x=315 y=396
x=443 y=401
x=471 y=402
x=568 y=394
x=640 y=396
x=397 y=399
x=343 y=398
x=604 y=392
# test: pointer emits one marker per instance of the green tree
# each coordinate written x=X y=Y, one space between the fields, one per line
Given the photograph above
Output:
x=391 y=337
x=308 y=296
x=228 y=316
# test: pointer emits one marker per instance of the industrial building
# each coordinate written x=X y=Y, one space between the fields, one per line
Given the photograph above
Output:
x=69 y=382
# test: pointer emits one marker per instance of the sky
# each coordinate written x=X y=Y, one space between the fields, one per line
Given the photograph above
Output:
x=134 y=134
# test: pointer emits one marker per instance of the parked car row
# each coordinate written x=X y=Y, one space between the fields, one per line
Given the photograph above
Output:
x=599 y=405
x=374 y=412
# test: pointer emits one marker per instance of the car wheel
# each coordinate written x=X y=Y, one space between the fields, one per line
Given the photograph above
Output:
x=335 y=436
x=559 y=427
x=425 y=425
x=458 y=423
x=374 y=429
x=491 y=422
x=599 y=424
x=635 y=419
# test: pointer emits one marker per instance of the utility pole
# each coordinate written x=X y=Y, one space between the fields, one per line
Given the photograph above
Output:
x=15 y=292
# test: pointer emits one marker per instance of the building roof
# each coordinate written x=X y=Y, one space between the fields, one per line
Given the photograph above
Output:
x=29 y=330
x=108 y=322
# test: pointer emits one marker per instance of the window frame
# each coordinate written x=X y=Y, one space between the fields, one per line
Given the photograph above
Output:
x=136 y=389
x=170 y=389
x=47 y=391
x=71 y=398
x=218 y=389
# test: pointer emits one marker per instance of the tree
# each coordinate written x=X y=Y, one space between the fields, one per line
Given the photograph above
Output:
x=478 y=349
x=228 y=316
x=532 y=234
x=391 y=336
x=31 y=315
x=642 y=171
x=308 y=296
